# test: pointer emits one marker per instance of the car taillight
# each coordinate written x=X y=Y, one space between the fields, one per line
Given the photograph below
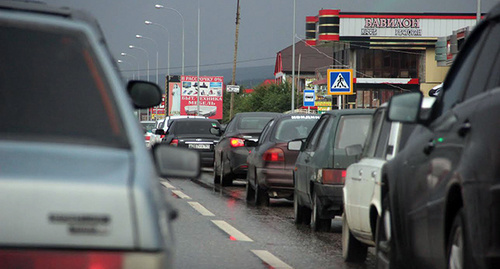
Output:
x=174 y=142
x=274 y=155
x=148 y=138
x=41 y=259
x=236 y=142
x=333 y=176
x=162 y=136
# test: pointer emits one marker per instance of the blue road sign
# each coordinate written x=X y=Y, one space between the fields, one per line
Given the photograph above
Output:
x=309 y=97
x=340 y=82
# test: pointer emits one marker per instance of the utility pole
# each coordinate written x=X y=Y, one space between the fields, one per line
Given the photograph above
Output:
x=233 y=82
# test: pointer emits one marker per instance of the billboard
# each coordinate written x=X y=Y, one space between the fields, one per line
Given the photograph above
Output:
x=184 y=96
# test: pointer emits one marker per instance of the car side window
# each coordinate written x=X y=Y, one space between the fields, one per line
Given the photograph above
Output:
x=265 y=132
x=313 y=139
x=373 y=134
x=383 y=139
x=484 y=70
x=459 y=74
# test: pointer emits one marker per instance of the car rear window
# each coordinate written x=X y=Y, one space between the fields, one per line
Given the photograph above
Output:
x=352 y=130
x=52 y=88
x=253 y=123
x=292 y=128
x=192 y=127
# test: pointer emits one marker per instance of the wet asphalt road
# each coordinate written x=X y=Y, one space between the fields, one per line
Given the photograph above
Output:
x=217 y=229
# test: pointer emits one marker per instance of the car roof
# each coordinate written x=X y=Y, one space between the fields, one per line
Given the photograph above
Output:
x=250 y=114
x=357 y=111
x=194 y=119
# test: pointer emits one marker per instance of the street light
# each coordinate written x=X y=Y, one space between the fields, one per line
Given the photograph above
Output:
x=135 y=59
x=122 y=62
x=182 y=18
x=168 y=44
x=156 y=44
x=147 y=55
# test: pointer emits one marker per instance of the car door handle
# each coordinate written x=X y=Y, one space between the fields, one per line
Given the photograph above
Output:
x=307 y=159
x=429 y=147
x=374 y=174
x=360 y=172
x=464 y=129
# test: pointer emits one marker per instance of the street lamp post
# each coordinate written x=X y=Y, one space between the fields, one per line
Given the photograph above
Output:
x=182 y=19
x=135 y=59
x=147 y=56
x=156 y=44
x=122 y=62
x=168 y=44
x=198 y=65
x=293 y=59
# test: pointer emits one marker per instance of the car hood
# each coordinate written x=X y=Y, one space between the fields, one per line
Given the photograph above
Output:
x=65 y=196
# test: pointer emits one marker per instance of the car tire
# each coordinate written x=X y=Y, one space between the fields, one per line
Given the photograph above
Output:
x=261 y=196
x=225 y=180
x=352 y=249
x=250 y=192
x=302 y=214
x=384 y=246
x=216 y=175
x=317 y=223
x=458 y=252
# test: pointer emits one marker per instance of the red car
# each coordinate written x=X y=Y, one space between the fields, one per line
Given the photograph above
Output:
x=270 y=163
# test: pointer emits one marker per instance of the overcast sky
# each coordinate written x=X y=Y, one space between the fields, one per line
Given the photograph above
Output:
x=265 y=29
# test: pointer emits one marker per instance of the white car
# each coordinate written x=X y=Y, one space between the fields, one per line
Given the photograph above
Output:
x=362 y=205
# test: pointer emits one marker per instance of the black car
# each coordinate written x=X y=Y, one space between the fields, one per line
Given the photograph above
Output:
x=195 y=133
x=441 y=193
x=321 y=165
x=271 y=164
x=231 y=153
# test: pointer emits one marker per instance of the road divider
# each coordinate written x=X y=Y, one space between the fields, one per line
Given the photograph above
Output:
x=271 y=260
x=181 y=195
x=201 y=209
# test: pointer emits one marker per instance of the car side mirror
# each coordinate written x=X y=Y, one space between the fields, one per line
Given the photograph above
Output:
x=354 y=150
x=144 y=94
x=176 y=162
x=251 y=143
x=215 y=131
x=295 y=145
x=405 y=107
x=159 y=132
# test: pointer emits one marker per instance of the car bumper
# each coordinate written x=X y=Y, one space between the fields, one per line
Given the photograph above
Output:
x=330 y=199
x=278 y=182
x=238 y=161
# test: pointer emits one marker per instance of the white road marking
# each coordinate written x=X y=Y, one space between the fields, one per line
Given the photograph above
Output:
x=181 y=195
x=201 y=209
x=270 y=259
x=167 y=185
x=234 y=234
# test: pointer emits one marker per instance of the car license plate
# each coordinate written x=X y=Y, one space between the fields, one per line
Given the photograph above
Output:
x=199 y=146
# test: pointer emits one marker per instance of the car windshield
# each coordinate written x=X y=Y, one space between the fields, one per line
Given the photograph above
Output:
x=55 y=77
x=149 y=126
x=293 y=128
x=181 y=127
x=253 y=123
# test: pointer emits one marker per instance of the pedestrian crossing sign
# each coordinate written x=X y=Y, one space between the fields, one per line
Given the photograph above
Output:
x=340 y=82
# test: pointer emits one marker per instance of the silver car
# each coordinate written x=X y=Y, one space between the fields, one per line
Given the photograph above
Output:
x=70 y=192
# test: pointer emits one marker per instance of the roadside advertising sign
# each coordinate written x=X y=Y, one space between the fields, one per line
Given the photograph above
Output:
x=210 y=96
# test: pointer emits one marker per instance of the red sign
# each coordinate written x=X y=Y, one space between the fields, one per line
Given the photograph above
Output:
x=210 y=93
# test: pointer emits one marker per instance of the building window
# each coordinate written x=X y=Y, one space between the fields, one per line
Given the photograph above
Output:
x=387 y=64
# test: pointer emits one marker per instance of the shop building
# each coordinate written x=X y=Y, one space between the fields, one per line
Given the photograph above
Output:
x=390 y=53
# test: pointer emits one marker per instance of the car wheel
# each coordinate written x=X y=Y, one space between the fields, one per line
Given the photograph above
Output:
x=216 y=175
x=458 y=253
x=250 y=192
x=261 y=196
x=352 y=249
x=225 y=180
x=317 y=223
x=302 y=214
x=384 y=246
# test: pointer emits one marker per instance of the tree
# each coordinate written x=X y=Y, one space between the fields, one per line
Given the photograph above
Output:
x=270 y=98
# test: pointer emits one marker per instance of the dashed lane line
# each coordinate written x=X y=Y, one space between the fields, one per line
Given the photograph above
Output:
x=181 y=195
x=168 y=185
x=270 y=259
x=233 y=233
x=201 y=209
